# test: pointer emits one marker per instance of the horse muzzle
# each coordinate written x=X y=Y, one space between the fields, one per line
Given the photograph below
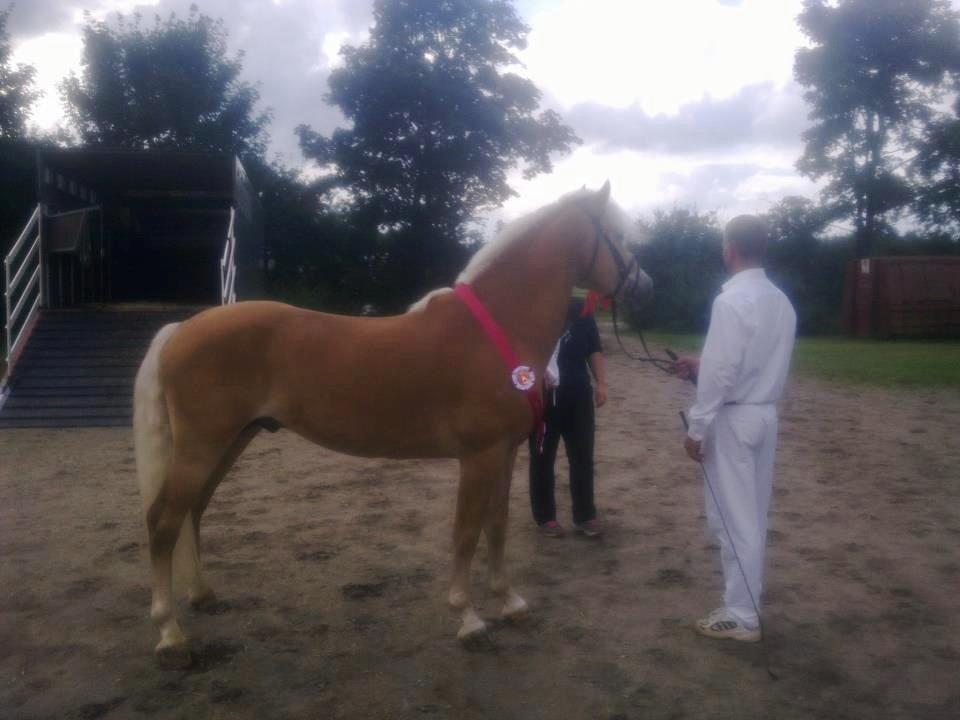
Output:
x=639 y=290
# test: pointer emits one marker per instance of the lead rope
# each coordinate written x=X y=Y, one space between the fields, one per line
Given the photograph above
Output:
x=665 y=366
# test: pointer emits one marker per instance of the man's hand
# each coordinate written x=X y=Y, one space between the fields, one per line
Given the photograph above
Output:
x=694 y=449
x=600 y=394
x=687 y=367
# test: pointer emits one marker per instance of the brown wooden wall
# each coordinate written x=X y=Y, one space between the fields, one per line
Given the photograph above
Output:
x=888 y=297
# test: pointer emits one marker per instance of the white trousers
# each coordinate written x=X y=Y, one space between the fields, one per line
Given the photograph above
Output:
x=739 y=450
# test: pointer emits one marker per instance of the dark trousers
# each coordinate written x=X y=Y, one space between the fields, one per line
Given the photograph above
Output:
x=571 y=419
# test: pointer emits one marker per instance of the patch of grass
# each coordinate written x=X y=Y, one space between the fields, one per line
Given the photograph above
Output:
x=842 y=360
x=902 y=362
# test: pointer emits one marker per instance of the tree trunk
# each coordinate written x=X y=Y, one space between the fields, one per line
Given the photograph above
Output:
x=861 y=238
x=876 y=140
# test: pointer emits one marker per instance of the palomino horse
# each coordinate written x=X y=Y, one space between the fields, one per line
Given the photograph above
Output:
x=426 y=384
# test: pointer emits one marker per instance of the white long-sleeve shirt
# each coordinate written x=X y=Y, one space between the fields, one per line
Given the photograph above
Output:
x=553 y=367
x=747 y=352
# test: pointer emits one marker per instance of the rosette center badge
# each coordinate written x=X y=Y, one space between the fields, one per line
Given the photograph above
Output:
x=524 y=377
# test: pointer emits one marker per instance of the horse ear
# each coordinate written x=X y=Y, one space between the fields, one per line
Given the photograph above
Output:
x=602 y=197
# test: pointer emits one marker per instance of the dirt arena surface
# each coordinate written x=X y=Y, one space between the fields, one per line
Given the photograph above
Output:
x=332 y=576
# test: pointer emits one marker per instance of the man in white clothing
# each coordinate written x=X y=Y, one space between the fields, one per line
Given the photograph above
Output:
x=733 y=424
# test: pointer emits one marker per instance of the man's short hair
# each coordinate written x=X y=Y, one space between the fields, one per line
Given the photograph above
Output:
x=748 y=235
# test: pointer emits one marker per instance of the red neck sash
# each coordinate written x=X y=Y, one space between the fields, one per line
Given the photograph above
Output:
x=500 y=340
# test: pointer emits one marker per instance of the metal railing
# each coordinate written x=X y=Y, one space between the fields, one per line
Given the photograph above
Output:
x=70 y=244
x=20 y=311
x=228 y=265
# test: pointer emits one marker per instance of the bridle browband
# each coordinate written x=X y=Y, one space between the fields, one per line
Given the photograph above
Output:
x=626 y=271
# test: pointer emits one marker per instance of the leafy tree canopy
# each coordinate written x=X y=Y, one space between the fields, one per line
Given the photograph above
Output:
x=17 y=91
x=796 y=220
x=437 y=120
x=938 y=166
x=171 y=85
x=681 y=253
x=874 y=74
x=807 y=266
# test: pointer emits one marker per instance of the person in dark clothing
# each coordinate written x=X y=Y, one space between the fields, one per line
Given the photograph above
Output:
x=569 y=414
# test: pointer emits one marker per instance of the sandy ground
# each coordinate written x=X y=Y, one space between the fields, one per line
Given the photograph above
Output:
x=332 y=576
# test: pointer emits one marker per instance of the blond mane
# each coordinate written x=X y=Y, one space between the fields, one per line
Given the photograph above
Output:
x=614 y=218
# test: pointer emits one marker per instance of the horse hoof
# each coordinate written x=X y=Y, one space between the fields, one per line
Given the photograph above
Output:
x=173 y=657
x=517 y=617
x=473 y=631
x=515 y=610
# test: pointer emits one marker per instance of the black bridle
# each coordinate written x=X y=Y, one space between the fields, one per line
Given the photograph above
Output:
x=624 y=269
x=628 y=272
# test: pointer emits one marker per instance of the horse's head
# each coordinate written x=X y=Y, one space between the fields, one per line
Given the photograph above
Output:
x=609 y=267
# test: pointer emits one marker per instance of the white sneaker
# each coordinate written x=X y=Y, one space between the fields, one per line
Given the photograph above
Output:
x=720 y=624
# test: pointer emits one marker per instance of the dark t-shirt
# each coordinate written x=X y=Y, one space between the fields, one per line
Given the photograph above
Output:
x=580 y=341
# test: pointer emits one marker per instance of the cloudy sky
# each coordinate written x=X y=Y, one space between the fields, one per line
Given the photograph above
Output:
x=679 y=102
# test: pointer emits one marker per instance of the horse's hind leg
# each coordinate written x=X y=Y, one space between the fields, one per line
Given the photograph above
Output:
x=199 y=593
x=181 y=492
x=514 y=606
x=164 y=521
x=478 y=475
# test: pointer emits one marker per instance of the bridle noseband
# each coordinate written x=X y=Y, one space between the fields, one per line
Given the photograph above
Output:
x=627 y=272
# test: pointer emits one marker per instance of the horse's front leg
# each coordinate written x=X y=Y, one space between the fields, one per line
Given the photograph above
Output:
x=479 y=474
x=514 y=606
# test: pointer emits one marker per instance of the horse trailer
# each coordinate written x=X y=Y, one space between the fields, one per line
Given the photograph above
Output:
x=118 y=243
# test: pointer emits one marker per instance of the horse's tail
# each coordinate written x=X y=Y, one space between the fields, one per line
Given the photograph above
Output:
x=153 y=443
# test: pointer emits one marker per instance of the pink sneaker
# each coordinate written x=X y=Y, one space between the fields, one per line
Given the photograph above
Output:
x=552 y=528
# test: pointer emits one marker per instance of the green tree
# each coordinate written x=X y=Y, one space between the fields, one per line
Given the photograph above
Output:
x=681 y=253
x=17 y=154
x=874 y=73
x=805 y=264
x=171 y=85
x=796 y=221
x=938 y=166
x=437 y=121
x=17 y=91
x=316 y=258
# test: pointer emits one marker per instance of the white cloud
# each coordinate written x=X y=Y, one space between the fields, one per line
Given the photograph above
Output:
x=55 y=50
x=290 y=47
x=730 y=183
x=54 y=55
x=108 y=7
x=659 y=55
x=764 y=188
x=332 y=43
x=755 y=115
x=677 y=77
x=688 y=102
